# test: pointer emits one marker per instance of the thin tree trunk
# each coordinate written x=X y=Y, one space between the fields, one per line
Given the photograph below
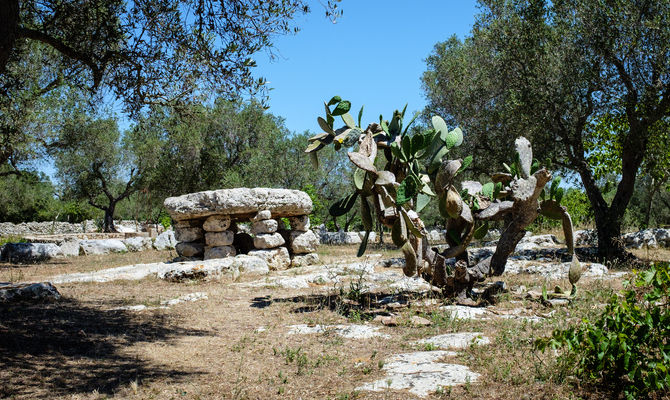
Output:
x=654 y=188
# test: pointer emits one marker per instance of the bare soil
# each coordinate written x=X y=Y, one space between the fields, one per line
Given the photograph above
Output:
x=235 y=344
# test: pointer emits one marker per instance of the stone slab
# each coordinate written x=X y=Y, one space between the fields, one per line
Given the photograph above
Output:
x=239 y=202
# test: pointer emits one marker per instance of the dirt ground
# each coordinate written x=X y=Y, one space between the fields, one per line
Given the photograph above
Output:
x=235 y=343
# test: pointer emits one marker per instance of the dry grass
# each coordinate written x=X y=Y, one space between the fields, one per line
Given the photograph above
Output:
x=213 y=349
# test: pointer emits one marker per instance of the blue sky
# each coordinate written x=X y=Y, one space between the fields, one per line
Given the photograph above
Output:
x=373 y=55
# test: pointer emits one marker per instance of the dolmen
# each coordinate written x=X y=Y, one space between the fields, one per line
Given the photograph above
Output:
x=211 y=224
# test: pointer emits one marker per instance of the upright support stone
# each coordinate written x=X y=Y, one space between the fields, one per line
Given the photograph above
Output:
x=217 y=223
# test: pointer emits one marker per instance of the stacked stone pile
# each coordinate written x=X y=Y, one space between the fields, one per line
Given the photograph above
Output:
x=212 y=224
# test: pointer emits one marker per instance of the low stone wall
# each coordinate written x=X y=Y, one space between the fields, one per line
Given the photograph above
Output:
x=64 y=228
x=209 y=225
x=652 y=238
x=57 y=247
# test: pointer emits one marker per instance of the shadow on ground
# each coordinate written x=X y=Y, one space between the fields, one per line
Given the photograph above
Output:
x=69 y=347
x=366 y=305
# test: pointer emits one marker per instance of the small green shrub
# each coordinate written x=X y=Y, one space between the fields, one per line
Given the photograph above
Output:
x=628 y=347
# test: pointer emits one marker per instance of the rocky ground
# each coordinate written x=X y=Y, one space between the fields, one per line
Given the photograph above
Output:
x=132 y=326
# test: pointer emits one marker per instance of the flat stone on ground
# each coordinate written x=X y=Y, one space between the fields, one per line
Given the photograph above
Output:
x=276 y=258
x=104 y=246
x=459 y=340
x=347 y=331
x=421 y=373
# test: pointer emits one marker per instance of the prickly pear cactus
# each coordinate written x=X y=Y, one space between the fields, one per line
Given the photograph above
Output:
x=397 y=174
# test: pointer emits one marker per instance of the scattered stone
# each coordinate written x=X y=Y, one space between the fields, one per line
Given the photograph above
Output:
x=104 y=246
x=339 y=238
x=303 y=242
x=300 y=223
x=420 y=321
x=247 y=265
x=30 y=252
x=215 y=268
x=188 y=234
x=194 y=249
x=396 y=262
x=268 y=241
x=386 y=320
x=347 y=331
x=137 y=243
x=276 y=258
x=460 y=340
x=464 y=312
x=224 y=238
x=303 y=260
x=264 y=226
x=421 y=373
x=70 y=247
x=165 y=241
x=219 y=252
x=216 y=223
x=15 y=292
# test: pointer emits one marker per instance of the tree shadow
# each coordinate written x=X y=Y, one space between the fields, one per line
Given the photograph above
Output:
x=69 y=347
x=365 y=305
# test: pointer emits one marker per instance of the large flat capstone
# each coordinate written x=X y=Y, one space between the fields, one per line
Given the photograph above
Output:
x=240 y=201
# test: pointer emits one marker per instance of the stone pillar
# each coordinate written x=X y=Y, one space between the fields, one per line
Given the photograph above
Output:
x=302 y=241
x=190 y=238
x=268 y=242
x=218 y=237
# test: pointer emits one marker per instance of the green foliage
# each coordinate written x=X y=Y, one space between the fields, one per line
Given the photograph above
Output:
x=627 y=347
x=27 y=197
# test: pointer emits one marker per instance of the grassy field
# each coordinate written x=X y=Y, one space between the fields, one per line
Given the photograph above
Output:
x=80 y=348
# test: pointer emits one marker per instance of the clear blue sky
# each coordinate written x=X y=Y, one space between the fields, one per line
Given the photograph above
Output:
x=373 y=55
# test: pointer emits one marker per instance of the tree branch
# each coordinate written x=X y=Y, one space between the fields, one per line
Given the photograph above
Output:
x=66 y=50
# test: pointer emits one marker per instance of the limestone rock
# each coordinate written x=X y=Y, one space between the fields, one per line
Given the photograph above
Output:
x=421 y=373
x=264 y=226
x=300 y=223
x=104 y=246
x=219 y=252
x=192 y=234
x=70 y=247
x=262 y=215
x=216 y=223
x=137 y=243
x=198 y=270
x=240 y=201
x=268 y=241
x=339 y=238
x=247 y=264
x=42 y=291
x=276 y=258
x=30 y=252
x=190 y=249
x=224 y=238
x=303 y=242
x=459 y=340
x=303 y=260
x=165 y=241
